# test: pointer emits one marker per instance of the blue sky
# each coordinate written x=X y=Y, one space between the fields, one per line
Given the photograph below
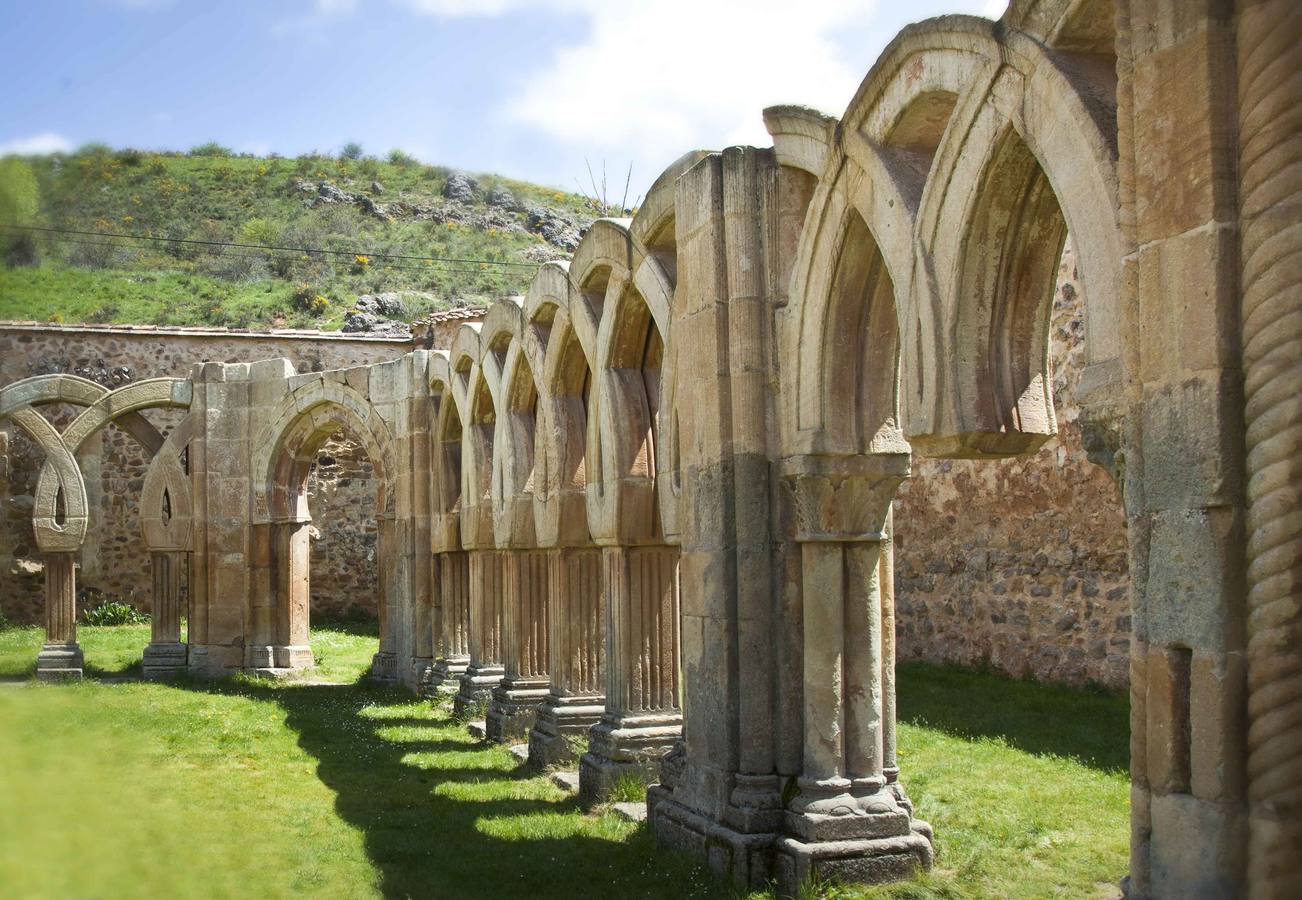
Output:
x=526 y=88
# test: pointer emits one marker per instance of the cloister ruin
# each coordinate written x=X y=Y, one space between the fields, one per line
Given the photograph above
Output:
x=643 y=513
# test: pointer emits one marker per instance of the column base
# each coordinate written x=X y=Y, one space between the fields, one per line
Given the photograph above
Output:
x=560 y=731
x=279 y=660
x=162 y=661
x=476 y=690
x=60 y=662
x=623 y=748
x=745 y=860
x=513 y=708
x=446 y=678
x=871 y=861
x=422 y=674
x=384 y=667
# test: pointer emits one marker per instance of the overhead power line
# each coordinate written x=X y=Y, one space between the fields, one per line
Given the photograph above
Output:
x=442 y=269
x=271 y=248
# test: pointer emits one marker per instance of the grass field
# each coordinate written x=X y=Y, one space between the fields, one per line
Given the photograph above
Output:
x=246 y=788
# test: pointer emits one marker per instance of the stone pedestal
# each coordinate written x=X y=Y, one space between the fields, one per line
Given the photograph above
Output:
x=524 y=683
x=452 y=642
x=60 y=658
x=642 y=719
x=484 y=671
x=576 y=654
x=166 y=656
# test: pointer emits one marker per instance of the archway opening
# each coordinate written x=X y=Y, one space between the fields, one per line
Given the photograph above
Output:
x=328 y=551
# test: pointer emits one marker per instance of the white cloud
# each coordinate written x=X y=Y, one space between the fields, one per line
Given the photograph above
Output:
x=677 y=74
x=45 y=142
x=651 y=80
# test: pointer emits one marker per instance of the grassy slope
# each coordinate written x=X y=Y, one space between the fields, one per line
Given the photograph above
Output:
x=246 y=200
x=244 y=789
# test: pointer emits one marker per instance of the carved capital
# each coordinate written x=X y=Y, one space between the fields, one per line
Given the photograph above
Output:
x=842 y=498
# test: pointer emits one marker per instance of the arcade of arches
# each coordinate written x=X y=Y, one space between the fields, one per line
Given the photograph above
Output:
x=646 y=509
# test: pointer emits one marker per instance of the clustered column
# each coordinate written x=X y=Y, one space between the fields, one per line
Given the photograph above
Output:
x=451 y=620
x=485 y=669
x=643 y=717
x=575 y=657
x=524 y=681
x=849 y=816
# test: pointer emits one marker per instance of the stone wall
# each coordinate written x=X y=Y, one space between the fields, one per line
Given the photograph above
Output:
x=1019 y=564
x=114 y=562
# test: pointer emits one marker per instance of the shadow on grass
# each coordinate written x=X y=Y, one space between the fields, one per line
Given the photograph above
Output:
x=1091 y=727
x=473 y=829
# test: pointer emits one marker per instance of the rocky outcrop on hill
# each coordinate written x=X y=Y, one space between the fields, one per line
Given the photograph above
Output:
x=384 y=313
x=500 y=210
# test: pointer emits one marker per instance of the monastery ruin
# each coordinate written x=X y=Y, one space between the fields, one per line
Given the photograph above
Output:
x=669 y=511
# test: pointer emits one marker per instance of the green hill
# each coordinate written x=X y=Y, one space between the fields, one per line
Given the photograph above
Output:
x=138 y=237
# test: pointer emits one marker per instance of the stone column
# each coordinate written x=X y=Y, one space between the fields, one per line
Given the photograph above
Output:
x=422 y=660
x=60 y=657
x=453 y=649
x=384 y=665
x=165 y=657
x=575 y=657
x=1270 y=183
x=643 y=715
x=525 y=630
x=485 y=669
x=279 y=626
x=848 y=817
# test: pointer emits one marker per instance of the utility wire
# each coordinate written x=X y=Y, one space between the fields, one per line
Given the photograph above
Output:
x=443 y=269
x=268 y=247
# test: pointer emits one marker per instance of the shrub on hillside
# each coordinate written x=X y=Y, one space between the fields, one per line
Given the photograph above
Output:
x=212 y=148
x=307 y=299
x=399 y=158
x=113 y=612
x=351 y=150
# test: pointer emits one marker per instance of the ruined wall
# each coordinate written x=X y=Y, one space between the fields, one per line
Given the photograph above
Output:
x=114 y=561
x=341 y=495
x=1019 y=563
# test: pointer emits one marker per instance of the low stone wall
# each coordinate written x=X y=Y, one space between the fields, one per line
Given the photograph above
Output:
x=114 y=562
x=1019 y=564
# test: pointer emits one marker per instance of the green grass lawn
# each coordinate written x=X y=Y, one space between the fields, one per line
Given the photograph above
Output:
x=247 y=788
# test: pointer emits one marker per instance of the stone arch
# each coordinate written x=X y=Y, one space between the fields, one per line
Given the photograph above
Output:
x=166 y=504
x=569 y=390
x=1034 y=146
x=286 y=446
x=446 y=452
x=636 y=295
x=932 y=138
x=277 y=633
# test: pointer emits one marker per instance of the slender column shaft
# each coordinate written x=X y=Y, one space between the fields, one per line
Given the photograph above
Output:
x=454 y=606
x=60 y=599
x=60 y=657
x=1270 y=173
x=576 y=649
x=166 y=619
x=890 y=768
